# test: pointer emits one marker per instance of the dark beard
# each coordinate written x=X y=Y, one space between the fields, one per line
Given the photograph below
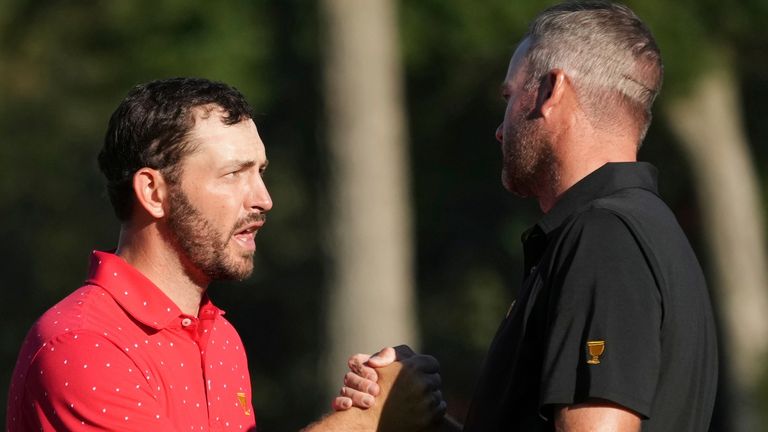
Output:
x=203 y=245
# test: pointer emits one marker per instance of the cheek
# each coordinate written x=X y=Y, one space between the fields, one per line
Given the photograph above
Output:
x=507 y=114
x=509 y=126
x=510 y=116
x=225 y=214
x=218 y=208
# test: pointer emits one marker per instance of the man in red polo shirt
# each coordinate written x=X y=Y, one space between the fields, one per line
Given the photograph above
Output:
x=140 y=347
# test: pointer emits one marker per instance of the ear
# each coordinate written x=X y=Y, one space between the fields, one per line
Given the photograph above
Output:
x=150 y=191
x=551 y=92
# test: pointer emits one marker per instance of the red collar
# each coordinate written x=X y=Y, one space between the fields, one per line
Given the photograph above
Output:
x=141 y=298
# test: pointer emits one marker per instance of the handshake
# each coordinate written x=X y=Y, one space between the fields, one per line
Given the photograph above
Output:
x=392 y=390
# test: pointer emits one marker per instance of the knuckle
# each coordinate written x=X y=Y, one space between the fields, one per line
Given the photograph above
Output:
x=404 y=351
x=356 y=361
x=349 y=376
x=431 y=360
x=369 y=374
x=353 y=363
x=436 y=381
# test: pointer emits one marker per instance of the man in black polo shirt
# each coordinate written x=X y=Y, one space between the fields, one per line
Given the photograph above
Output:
x=612 y=328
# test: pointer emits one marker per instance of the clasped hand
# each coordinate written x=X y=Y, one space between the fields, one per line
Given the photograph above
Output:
x=403 y=384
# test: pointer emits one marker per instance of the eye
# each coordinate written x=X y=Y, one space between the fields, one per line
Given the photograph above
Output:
x=233 y=174
x=262 y=171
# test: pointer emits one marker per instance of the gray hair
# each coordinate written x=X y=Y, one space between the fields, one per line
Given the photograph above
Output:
x=607 y=52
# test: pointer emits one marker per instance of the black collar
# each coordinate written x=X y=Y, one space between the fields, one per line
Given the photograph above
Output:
x=604 y=181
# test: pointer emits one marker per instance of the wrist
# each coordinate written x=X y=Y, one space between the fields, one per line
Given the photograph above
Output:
x=351 y=420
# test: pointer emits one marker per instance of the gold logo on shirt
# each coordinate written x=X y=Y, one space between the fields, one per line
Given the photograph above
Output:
x=243 y=403
x=596 y=349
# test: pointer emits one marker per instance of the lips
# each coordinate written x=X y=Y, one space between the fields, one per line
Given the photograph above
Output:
x=246 y=236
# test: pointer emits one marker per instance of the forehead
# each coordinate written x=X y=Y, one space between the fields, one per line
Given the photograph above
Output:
x=517 y=65
x=211 y=138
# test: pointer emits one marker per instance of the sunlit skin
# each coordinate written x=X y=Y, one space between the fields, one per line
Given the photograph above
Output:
x=222 y=181
x=596 y=416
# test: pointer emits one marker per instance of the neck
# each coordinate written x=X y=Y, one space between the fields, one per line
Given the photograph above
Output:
x=145 y=249
x=579 y=156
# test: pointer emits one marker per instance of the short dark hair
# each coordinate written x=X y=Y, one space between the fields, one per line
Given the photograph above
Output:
x=150 y=127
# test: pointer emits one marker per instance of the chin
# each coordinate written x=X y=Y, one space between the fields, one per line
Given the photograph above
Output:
x=515 y=188
x=243 y=271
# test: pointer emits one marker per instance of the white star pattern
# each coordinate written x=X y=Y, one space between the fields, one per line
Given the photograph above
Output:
x=105 y=341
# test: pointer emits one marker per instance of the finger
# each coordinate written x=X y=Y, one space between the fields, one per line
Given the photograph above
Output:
x=358 y=365
x=437 y=400
x=430 y=411
x=356 y=362
x=422 y=383
x=341 y=403
x=422 y=363
x=434 y=409
x=433 y=381
x=359 y=383
x=440 y=412
x=359 y=399
x=368 y=373
x=383 y=358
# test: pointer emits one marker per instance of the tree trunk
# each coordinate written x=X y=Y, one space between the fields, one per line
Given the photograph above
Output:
x=371 y=300
x=710 y=126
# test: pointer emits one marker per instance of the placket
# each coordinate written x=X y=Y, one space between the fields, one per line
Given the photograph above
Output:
x=205 y=327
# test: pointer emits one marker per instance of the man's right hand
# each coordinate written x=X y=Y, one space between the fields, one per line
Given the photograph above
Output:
x=412 y=392
x=361 y=382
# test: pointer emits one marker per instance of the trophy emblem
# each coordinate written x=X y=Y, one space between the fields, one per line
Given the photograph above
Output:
x=243 y=403
x=595 y=349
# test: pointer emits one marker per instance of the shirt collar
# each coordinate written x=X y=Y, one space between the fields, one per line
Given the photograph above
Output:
x=136 y=294
x=604 y=181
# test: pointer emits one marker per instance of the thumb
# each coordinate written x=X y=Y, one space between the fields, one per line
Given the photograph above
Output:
x=383 y=358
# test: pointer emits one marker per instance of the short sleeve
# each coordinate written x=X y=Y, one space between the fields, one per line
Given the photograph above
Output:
x=604 y=321
x=81 y=381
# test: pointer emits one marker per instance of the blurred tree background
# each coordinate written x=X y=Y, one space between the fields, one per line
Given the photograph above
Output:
x=64 y=66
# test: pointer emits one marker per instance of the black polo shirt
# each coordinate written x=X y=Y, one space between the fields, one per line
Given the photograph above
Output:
x=613 y=306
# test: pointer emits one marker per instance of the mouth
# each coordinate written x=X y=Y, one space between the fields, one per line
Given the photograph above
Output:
x=246 y=236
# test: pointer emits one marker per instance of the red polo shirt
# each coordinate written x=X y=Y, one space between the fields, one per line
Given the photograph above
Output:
x=118 y=354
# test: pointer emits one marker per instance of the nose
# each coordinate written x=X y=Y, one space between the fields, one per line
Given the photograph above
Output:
x=500 y=133
x=260 y=198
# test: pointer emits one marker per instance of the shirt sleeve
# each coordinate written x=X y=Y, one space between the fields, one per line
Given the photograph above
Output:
x=82 y=382
x=603 y=294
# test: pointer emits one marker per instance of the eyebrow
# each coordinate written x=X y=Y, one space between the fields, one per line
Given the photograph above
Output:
x=242 y=164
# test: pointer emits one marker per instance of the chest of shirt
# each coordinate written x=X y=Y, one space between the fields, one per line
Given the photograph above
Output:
x=506 y=396
x=198 y=376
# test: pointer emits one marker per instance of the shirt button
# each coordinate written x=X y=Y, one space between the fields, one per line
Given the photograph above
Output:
x=186 y=322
